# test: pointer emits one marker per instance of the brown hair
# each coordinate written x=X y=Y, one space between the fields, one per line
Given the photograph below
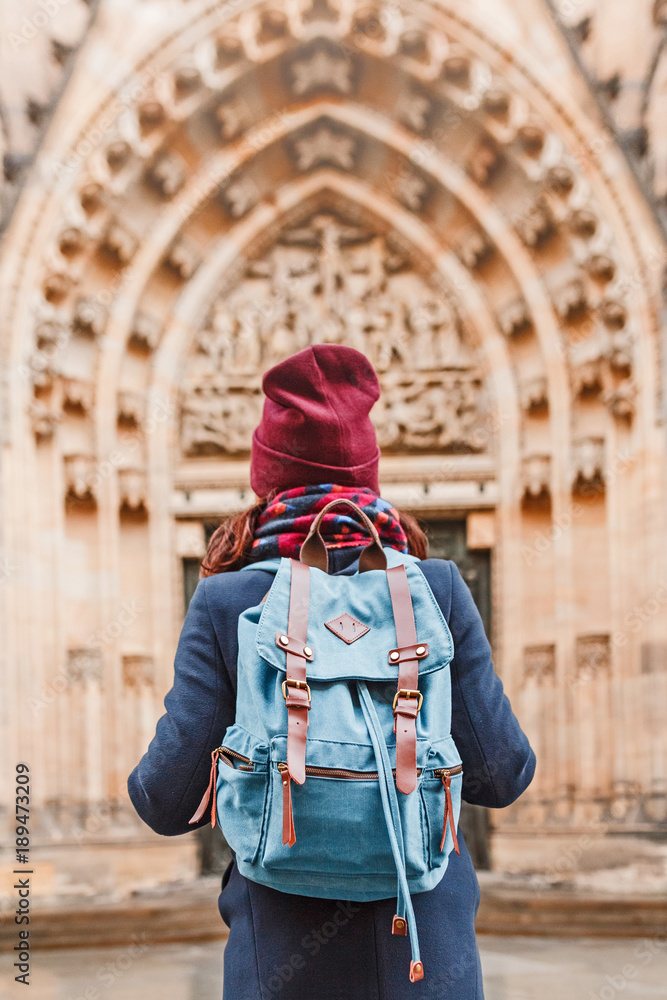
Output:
x=231 y=542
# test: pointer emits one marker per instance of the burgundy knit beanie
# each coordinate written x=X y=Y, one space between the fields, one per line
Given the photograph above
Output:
x=315 y=427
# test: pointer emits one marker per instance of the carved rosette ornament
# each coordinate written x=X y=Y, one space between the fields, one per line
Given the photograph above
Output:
x=327 y=281
x=325 y=146
x=324 y=69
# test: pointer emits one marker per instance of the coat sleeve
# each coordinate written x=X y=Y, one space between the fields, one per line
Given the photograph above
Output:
x=168 y=783
x=498 y=762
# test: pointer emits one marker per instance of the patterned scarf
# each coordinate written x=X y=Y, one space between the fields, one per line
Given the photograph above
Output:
x=283 y=526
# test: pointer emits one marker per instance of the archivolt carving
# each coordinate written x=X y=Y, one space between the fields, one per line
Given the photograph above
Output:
x=328 y=281
x=319 y=55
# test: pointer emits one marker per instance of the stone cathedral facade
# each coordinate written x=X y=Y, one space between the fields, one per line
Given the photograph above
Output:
x=466 y=192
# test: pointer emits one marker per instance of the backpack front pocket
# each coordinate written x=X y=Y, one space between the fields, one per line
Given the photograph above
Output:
x=441 y=796
x=242 y=788
x=340 y=826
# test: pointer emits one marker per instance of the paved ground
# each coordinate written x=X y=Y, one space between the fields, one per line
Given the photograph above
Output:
x=514 y=969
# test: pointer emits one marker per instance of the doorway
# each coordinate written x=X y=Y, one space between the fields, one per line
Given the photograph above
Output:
x=448 y=540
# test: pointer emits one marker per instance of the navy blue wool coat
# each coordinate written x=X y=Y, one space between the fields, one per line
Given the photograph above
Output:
x=297 y=948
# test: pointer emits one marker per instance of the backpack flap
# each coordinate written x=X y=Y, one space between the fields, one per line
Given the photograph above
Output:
x=351 y=626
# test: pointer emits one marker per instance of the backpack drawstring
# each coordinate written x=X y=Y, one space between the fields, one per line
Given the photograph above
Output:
x=393 y=821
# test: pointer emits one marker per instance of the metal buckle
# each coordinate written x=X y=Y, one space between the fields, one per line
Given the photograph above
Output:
x=301 y=685
x=408 y=693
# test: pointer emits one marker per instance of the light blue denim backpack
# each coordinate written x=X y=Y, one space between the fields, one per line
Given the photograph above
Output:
x=340 y=778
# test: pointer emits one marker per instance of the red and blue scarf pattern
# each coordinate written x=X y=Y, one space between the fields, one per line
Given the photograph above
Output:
x=284 y=524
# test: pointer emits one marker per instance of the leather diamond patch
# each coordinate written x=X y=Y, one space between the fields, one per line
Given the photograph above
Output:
x=347 y=628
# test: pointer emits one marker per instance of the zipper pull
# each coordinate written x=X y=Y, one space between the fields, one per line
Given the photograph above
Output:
x=210 y=792
x=449 y=813
x=289 y=836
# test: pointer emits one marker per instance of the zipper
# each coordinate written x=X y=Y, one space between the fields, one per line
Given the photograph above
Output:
x=442 y=772
x=335 y=772
x=225 y=753
x=339 y=772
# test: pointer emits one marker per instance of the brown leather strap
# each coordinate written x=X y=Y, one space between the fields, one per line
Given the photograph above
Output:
x=449 y=814
x=295 y=686
x=209 y=794
x=289 y=836
x=289 y=643
x=314 y=551
x=407 y=702
x=419 y=650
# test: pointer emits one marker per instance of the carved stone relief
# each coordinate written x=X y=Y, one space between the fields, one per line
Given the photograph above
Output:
x=515 y=318
x=322 y=69
x=588 y=469
x=77 y=394
x=167 y=174
x=325 y=146
x=239 y=196
x=593 y=656
x=183 y=258
x=80 y=477
x=533 y=394
x=234 y=116
x=44 y=419
x=536 y=475
x=145 y=333
x=138 y=670
x=84 y=664
x=475 y=249
x=133 y=489
x=119 y=242
x=539 y=662
x=131 y=407
x=89 y=316
x=329 y=282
